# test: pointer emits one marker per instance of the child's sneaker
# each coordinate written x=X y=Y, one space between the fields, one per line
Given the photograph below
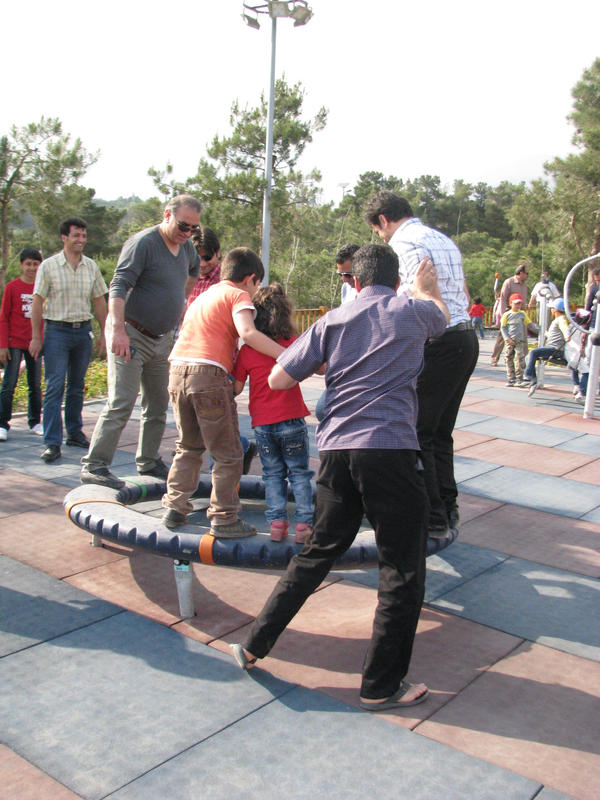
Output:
x=38 y=430
x=279 y=529
x=3 y=434
x=510 y=383
x=303 y=532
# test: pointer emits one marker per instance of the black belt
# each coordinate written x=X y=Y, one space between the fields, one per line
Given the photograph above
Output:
x=460 y=326
x=143 y=330
x=61 y=324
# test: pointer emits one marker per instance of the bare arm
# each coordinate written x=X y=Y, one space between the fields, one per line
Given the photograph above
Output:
x=279 y=379
x=116 y=335
x=238 y=387
x=99 y=307
x=244 y=325
x=35 y=345
x=427 y=287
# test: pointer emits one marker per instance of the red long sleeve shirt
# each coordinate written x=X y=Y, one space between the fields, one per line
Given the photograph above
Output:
x=15 y=314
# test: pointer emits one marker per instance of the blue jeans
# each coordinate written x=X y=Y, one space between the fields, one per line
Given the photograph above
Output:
x=9 y=382
x=478 y=326
x=67 y=353
x=283 y=451
x=535 y=355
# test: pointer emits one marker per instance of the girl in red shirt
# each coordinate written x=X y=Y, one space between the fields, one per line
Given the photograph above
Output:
x=278 y=419
x=476 y=313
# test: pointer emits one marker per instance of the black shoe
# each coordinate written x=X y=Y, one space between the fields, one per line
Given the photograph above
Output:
x=453 y=517
x=173 y=519
x=249 y=457
x=51 y=453
x=101 y=476
x=78 y=440
x=159 y=470
x=437 y=531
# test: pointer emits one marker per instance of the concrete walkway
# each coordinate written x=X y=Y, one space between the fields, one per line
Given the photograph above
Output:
x=107 y=692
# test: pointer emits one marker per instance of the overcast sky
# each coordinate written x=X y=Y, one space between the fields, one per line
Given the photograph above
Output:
x=462 y=89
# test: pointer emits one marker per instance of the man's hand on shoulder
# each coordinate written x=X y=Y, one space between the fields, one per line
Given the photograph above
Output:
x=427 y=287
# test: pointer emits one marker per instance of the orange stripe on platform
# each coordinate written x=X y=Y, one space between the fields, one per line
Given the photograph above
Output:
x=205 y=549
x=89 y=500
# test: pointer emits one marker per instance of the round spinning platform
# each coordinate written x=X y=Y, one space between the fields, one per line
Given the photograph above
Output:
x=111 y=514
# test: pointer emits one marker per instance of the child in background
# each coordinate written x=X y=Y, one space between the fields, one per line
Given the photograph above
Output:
x=278 y=419
x=476 y=313
x=15 y=335
x=514 y=326
x=496 y=314
x=202 y=394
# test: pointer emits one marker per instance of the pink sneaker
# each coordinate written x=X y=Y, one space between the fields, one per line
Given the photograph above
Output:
x=303 y=532
x=279 y=529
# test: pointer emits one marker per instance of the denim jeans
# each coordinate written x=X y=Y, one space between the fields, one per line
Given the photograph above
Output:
x=535 y=355
x=9 y=382
x=283 y=451
x=478 y=326
x=387 y=486
x=67 y=353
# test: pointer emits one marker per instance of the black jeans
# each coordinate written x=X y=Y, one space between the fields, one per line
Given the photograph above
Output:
x=9 y=382
x=449 y=362
x=386 y=486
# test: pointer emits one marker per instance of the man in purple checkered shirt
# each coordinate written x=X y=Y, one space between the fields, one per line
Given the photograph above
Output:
x=449 y=359
x=370 y=464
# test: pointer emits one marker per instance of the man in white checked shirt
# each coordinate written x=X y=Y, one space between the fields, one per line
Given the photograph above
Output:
x=65 y=285
x=449 y=359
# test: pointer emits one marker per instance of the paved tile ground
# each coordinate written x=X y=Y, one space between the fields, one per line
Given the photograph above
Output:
x=108 y=692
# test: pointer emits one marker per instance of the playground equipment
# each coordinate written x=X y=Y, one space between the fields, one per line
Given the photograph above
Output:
x=588 y=408
x=108 y=514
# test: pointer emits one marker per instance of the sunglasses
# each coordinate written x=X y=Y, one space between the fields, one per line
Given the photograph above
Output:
x=185 y=228
x=344 y=274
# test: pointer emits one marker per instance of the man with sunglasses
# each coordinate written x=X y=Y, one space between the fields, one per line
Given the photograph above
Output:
x=156 y=271
x=343 y=265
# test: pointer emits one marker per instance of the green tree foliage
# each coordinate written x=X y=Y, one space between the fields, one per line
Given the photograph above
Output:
x=34 y=159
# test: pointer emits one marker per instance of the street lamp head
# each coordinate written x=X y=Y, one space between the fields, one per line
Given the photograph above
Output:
x=301 y=14
x=251 y=22
x=278 y=8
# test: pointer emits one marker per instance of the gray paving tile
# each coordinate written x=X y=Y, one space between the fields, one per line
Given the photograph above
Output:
x=35 y=607
x=99 y=707
x=545 y=605
x=333 y=740
x=517 y=431
x=588 y=444
x=544 y=492
x=454 y=566
x=466 y=468
x=552 y=794
x=593 y=515
x=466 y=418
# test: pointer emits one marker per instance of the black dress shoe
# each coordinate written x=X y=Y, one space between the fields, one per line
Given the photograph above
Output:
x=51 y=453
x=78 y=440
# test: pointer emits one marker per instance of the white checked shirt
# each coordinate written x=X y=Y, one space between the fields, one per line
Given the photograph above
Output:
x=412 y=242
x=67 y=292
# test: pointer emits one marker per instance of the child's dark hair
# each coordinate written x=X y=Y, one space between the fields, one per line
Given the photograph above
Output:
x=274 y=312
x=241 y=262
x=30 y=252
x=206 y=239
x=477 y=300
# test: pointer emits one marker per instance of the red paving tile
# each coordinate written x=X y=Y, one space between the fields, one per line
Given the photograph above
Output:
x=21 y=492
x=576 y=422
x=471 y=506
x=556 y=541
x=48 y=541
x=520 y=411
x=22 y=780
x=323 y=648
x=534 y=712
x=590 y=473
x=464 y=439
x=545 y=460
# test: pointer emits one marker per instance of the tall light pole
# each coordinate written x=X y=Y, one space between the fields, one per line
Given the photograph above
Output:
x=300 y=12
